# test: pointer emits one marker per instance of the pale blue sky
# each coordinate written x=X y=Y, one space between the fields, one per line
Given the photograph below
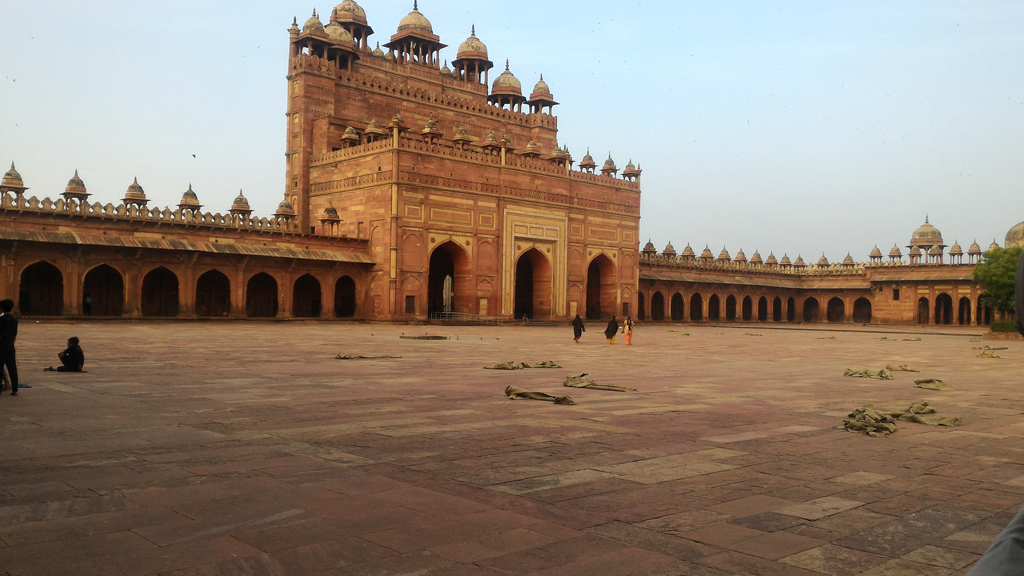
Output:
x=793 y=127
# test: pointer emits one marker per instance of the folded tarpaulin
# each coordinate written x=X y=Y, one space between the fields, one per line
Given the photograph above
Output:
x=584 y=381
x=518 y=393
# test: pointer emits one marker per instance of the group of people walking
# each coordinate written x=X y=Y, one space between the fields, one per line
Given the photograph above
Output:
x=578 y=328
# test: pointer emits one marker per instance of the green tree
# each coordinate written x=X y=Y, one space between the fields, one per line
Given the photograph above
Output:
x=997 y=276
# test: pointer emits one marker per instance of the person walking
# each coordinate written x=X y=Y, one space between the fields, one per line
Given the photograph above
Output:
x=8 y=334
x=578 y=328
x=612 y=330
x=87 y=305
x=627 y=330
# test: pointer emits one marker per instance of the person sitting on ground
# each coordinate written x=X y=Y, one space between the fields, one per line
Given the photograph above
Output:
x=73 y=359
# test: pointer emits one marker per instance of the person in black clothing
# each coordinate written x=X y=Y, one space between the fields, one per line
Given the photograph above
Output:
x=87 y=305
x=578 y=328
x=612 y=330
x=8 y=334
x=73 y=359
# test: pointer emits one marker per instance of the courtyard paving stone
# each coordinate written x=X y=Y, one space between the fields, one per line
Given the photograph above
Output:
x=214 y=449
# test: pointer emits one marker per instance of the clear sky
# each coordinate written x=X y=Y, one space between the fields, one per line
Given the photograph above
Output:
x=793 y=127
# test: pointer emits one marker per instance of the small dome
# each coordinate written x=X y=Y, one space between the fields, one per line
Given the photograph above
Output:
x=588 y=161
x=956 y=250
x=313 y=25
x=724 y=254
x=377 y=51
x=240 y=201
x=189 y=199
x=707 y=253
x=669 y=250
x=688 y=252
x=542 y=87
x=629 y=168
x=507 y=83
x=373 y=127
x=285 y=209
x=532 y=145
x=848 y=261
x=76 y=182
x=1015 y=237
x=896 y=252
x=135 y=191
x=974 y=249
x=389 y=56
x=472 y=48
x=490 y=138
x=349 y=11
x=609 y=164
x=926 y=235
x=337 y=33
x=935 y=251
x=799 y=261
x=771 y=259
x=12 y=177
x=875 y=252
x=755 y=259
x=649 y=248
x=331 y=211
x=415 y=21
x=993 y=246
x=915 y=251
x=785 y=260
x=740 y=256
x=823 y=261
x=446 y=71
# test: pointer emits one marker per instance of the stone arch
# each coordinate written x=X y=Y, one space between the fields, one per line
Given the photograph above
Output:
x=923 y=311
x=791 y=310
x=261 y=296
x=862 y=311
x=641 y=309
x=696 y=308
x=533 y=285
x=964 y=312
x=836 y=311
x=777 y=309
x=601 y=297
x=160 y=293
x=307 y=297
x=748 y=309
x=657 y=307
x=944 y=309
x=714 y=308
x=812 y=310
x=677 y=308
x=213 y=295
x=345 y=298
x=104 y=285
x=449 y=260
x=762 y=309
x=41 y=290
x=984 y=312
x=730 y=308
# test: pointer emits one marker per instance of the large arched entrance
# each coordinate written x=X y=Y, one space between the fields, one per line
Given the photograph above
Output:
x=748 y=309
x=449 y=286
x=533 y=285
x=697 y=308
x=261 y=296
x=964 y=315
x=762 y=309
x=307 y=298
x=791 y=310
x=862 y=311
x=714 y=308
x=777 y=309
x=41 y=292
x=105 y=287
x=641 y=310
x=730 y=309
x=944 y=309
x=812 y=310
x=601 y=295
x=345 y=298
x=213 y=295
x=657 y=307
x=160 y=293
x=923 y=314
x=836 y=310
x=677 y=307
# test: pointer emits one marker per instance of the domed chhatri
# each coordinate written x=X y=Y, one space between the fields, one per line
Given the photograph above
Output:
x=75 y=189
x=1015 y=237
x=785 y=260
x=823 y=261
x=799 y=263
x=135 y=196
x=339 y=34
x=189 y=201
x=472 y=64
x=724 y=255
x=588 y=164
x=756 y=258
x=669 y=250
x=876 y=252
x=609 y=168
x=416 y=21
x=649 y=248
x=349 y=11
x=415 y=41
x=688 y=251
x=993 y=246
x=740 y=256
x=240 y=206
x=285 y=210
x=956 y=250
x=541 y=98
x=12 y=182
x=926 y=236
x=378 y=52
x=314 y=25
x=975 y=248
x=706 y=254
x=771 y=261
x=472 y=47
x=848 y=261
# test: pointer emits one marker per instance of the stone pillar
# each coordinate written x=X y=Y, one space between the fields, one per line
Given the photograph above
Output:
x=704 y=311
x=238 y=291
x=327 y=295
x=187 y=289
x=285 y=291
x=133 y=291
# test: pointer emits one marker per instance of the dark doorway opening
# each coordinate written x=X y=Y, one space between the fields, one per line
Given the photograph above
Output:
x=730 y=309
x=714 y=308
x=307 y=298
x=533 y=285
x=677 y=307
x=213 y=295
x=641 y=310
x=748 y=309
x=41 y=292
x=836 y=310
x=944 y=309
x=923 y=313
x=791 y=310
x=812 y=310
x=345 y=298
x=762 y=309
x=696 y=308
x=777 y=310
x=261 y=296
x=105 y=287
x=657 y=307
x=601 y=288
x=964 y=315
x=160 y=294
x=862 y=311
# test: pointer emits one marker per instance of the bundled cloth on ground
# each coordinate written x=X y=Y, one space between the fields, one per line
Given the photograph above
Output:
x=520 y=365
x=519 y=394
x=882 y=374
x=988 y=354
x=900 y=368
x=876 y=421
x=360 y=357
x=931 y=384
x=585 y=381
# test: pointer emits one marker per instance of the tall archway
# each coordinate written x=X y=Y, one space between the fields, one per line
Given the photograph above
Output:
x=160 y=293
x=105 y=287
x=923 y=314
x=762 y=309
x=862 y=311
x=697 y=308
x=533 y=285
x=345 y=297
x=944 y=309
x=791 y=310
x=449 y=283
x=836 y=312
x=730 y=308
x=812 y=310
x=983 y=312
x=657 y=307
x=748 y=309
x=714 y=308
x=777 y=309
x=261 y=296
x=41 y=291
x=964 y=315
x=677 y=307
x=213 y=295
x=307 y=297
x=601 y=288
x=641 y=309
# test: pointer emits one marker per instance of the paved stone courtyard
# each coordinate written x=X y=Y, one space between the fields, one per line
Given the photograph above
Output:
x=245 y=448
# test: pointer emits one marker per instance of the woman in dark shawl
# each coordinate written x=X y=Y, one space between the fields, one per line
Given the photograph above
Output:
x=612 y=330
x=578 y=328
